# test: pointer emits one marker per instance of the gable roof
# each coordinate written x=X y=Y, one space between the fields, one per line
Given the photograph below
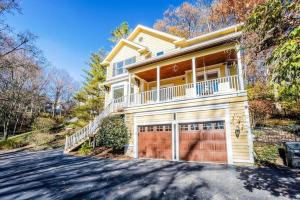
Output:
x=129 y=41
x=118 y=47
x=141 y=28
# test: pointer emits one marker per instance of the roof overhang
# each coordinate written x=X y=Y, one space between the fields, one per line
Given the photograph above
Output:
x=189 y=49
x=119 y=45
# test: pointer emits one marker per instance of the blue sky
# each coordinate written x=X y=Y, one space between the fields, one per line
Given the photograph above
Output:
x=70 y=30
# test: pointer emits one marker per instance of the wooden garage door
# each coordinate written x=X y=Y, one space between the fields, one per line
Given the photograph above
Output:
x=204 y=142
x=155 y=141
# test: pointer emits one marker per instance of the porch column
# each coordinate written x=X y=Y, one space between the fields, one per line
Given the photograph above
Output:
x=240 y=67
x=157 y=83
x=129 y=89
x=194 y=75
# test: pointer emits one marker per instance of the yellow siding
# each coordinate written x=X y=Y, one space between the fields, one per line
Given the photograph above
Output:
x=153 y=43
x=124 y=53
x=154 y=118
x=240 y=146
x=200 y=115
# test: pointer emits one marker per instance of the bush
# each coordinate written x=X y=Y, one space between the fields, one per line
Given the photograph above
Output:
x=85 y=149
x=266 y=153
x=113 y=133
x=43 y=123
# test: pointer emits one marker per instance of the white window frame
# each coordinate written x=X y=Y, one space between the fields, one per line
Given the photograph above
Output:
x=210 y=71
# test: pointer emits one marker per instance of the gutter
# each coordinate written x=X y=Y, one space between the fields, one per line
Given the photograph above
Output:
x=186 y=50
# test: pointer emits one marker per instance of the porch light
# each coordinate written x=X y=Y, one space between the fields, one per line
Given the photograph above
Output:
x=175 y=68
x=237 y=131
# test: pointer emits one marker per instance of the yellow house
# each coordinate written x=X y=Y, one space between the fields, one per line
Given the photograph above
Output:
x=183 y=99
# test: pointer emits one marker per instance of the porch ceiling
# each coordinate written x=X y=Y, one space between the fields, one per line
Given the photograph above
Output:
x=178 y=69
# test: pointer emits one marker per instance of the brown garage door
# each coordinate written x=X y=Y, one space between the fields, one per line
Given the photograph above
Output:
x=204 y=142
x=155 y=141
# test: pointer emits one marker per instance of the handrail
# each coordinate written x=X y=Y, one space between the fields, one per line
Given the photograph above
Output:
x=179 y=92
x=89 y=130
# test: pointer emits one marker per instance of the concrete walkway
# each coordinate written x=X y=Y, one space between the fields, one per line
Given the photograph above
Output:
x=52 y=175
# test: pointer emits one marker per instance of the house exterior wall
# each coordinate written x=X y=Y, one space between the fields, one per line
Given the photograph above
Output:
x=153 y=43
x=124 y=53
x=199 y=110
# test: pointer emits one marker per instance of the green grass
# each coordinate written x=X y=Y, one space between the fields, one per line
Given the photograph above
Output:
x=36 y=139
x=17 y=141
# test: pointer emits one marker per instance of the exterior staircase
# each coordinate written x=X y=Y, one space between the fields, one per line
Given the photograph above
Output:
x=90 y=130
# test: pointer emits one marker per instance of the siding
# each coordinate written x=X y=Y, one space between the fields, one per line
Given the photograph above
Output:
x=240 y=146
x=153 y=43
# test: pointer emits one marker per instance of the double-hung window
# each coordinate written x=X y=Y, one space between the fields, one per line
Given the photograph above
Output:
x=119 y=67
x=118 y=92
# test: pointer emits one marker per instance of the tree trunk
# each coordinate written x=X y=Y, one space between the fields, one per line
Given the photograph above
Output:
x=15 y=126
x=5 y=131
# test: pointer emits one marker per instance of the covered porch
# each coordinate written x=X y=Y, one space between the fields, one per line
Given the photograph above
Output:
x=217 y=73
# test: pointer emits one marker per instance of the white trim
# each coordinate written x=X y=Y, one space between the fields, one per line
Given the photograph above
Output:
x=157 y=83
x=116 y=78
x=123 y=42
x=187 y=109
x=210 y=71
x=228 y=137
x=173 y=140
x=194 y=76
x=113 y=86
x=242 y=161
x=249 y=134
x=177 y=142
x=216 y=32
x=153 y=123
x=136 y=140
x=201 y=120
x=175 y=133
x=189 y=49
x=191 y=100
x=141 y=27
x=240 y=67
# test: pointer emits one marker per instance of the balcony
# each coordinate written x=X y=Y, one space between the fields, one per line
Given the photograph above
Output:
x=214 y=87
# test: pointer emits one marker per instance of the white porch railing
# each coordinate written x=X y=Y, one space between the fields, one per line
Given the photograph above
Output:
x=89 y=130
x=180 y=92
x=205 y=88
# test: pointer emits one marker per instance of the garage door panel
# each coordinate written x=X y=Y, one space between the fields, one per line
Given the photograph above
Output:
x=155 y=141
x=204 y=142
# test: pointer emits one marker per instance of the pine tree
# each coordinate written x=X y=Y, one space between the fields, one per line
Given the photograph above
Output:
x=90 y=99
x=122 y=31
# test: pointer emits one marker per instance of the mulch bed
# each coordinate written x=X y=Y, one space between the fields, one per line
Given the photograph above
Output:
x=104 y=152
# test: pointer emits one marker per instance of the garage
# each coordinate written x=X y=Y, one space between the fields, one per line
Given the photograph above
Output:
x=203 y=142
x=155 y=141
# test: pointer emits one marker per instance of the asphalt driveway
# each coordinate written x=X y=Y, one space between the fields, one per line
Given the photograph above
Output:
x=52 y=175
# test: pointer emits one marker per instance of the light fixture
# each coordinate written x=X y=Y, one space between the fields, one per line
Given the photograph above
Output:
x=237 y=131
x=175 y=68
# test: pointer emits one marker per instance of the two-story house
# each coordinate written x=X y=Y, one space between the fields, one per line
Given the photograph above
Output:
x=183 y=99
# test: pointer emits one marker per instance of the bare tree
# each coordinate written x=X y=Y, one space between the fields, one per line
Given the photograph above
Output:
x=21 y=89
x=61 y=88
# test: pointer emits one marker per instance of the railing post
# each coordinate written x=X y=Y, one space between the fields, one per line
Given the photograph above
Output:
x=194 y=76
x=129 y=89
x=240 y=68
x=157 y=83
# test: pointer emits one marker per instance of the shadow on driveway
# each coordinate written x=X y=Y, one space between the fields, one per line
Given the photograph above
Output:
x=52 y=175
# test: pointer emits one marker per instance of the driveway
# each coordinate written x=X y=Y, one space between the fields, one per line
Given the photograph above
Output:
x=52 y=175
